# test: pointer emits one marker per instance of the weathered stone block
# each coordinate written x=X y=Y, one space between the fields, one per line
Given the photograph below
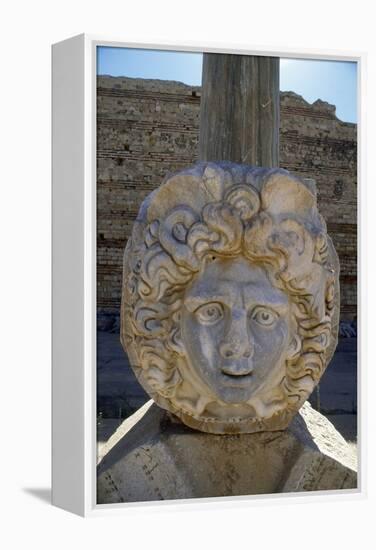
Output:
x=153 y=456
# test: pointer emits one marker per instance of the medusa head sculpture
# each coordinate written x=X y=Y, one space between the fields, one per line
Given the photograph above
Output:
x=230 y=299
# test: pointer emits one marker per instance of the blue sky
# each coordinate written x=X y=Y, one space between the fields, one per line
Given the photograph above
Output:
x=331 y=81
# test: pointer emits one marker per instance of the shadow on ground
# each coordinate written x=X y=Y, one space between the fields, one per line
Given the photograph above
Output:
x=40 y=493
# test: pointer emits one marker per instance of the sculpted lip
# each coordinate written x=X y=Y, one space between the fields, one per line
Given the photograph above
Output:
x=233 y=378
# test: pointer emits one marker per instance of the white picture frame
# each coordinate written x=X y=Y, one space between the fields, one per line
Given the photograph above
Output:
x=74 y=273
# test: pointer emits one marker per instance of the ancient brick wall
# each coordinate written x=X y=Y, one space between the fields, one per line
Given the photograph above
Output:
x=147 y=128
x=314 y=143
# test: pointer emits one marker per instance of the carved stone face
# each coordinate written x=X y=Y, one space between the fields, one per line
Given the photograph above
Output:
x=230 y=299
x=235 y=329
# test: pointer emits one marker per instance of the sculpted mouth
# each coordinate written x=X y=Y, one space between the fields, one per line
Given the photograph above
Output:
x=236 y=376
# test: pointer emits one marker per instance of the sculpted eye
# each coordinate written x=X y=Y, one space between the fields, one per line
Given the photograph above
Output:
x=264 y=316
x=208 y=314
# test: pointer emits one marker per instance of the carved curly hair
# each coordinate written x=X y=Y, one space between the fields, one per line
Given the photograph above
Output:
x=227 y=210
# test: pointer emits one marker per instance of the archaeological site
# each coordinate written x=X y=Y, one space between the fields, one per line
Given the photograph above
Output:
x=146 y=131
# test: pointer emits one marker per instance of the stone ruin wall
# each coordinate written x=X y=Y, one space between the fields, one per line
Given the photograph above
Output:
x=147 y=128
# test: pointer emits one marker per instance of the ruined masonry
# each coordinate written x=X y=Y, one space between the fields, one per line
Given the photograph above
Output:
x=148 y=128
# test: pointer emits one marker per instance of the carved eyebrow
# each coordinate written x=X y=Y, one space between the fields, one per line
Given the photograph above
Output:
x=193 y=302
x=270 y=301
x=277 y=307
x=267 y=298
x=202 y=295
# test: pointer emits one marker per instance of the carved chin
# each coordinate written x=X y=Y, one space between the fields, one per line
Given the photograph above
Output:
x=234 y=409
x=195 y=398
x=235 y=395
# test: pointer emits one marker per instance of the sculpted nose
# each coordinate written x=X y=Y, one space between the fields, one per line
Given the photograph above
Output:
x=234 y=350
x=237 y=343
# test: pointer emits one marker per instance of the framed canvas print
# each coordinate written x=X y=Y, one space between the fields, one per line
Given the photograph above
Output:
x=205 y=275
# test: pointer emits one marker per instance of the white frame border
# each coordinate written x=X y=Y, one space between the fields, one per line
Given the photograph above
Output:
x=74 y=484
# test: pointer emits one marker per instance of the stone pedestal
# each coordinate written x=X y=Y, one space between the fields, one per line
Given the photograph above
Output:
x=153 y=456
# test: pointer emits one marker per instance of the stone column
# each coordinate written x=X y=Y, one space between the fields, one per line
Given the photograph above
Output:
x=240 y=109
